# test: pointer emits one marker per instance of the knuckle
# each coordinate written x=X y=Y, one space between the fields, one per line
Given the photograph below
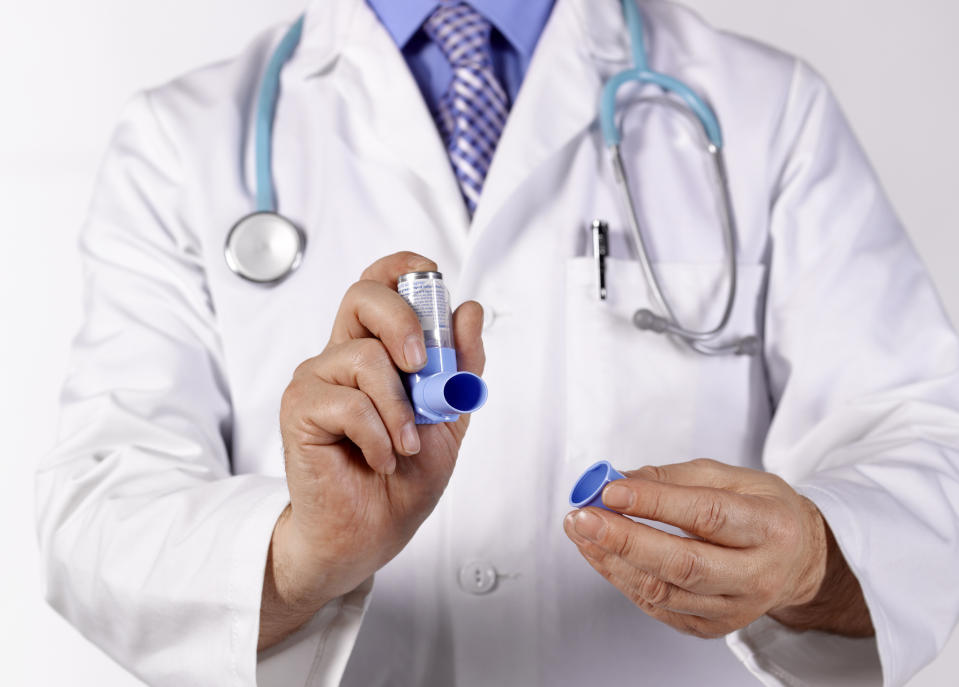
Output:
x=307 y=369
x=300 y=392
x=620 y=544
x=703 y=630
x=686 y=625
x=778 y=482
x=593 y=553
x=370 y=354
x=779 y=527
x=370 y=270
x=652 y=472
x=361 y=293
x=356 y=289
x=415 y=261
x=684 y=566
x=709 y=516
x=654 y=590
x=292 y=396
x=706 y=464
x=645 y=606
x=304 y=368
x=358 y=408
x=655 y=502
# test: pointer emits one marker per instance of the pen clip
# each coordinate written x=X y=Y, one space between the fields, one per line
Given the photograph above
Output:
x=600 y=230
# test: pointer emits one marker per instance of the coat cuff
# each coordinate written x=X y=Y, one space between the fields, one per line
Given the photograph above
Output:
x=316 y=654
x=778 y=655
x=268 y=497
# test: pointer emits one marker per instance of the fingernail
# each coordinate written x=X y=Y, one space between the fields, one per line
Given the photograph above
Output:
x=390 y=467
x=410 y=438
x=589 y=525
x=618 y=496
x=414 y=351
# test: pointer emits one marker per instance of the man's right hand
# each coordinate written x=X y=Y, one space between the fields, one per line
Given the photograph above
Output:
x=362 y=476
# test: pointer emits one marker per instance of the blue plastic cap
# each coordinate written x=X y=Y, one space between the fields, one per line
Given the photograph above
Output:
x=589 y=487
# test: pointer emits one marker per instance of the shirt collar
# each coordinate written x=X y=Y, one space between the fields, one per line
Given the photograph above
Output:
x=402 y=18
x=521 y=22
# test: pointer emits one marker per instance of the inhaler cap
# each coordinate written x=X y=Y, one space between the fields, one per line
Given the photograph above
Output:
x=588 y=490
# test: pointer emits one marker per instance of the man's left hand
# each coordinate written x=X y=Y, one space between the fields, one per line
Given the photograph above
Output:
x=758 y=547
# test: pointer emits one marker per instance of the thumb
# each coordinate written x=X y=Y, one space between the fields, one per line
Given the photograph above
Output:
x=468 y=337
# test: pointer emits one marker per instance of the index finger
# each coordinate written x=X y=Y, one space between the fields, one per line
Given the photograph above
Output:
x=388 y=270
x=371 y=308
x=716 y=515
x=698 y=567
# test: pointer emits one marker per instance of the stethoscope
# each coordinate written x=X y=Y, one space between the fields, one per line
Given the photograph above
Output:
x=265 y=247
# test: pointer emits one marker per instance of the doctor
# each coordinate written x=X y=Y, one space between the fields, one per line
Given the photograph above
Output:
x=237 y=468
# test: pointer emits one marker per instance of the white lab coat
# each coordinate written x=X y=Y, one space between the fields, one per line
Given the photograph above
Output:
x=156 y=508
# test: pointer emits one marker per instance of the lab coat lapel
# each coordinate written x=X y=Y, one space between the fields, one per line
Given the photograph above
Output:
x=557 y=101
x=387 y=107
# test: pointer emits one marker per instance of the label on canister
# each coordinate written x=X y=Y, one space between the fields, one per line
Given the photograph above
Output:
x=426 y=294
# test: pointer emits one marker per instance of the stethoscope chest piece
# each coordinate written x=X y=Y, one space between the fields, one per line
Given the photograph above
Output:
x=264 y=247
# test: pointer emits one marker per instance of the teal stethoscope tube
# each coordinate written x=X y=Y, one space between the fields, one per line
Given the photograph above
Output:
x=641 y=73
x=266 y=113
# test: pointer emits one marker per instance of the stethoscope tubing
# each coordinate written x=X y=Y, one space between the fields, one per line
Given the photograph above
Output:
x=266 y=114
x=708 y=124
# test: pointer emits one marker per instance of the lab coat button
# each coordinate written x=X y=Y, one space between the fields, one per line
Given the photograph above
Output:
x=477 y=577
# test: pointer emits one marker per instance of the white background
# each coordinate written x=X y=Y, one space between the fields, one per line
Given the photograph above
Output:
x=68 y=66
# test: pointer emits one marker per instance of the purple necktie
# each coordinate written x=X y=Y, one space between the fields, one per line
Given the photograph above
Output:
x=473 y=110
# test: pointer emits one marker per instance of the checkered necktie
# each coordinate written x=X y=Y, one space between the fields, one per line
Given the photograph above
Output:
x=472 y=113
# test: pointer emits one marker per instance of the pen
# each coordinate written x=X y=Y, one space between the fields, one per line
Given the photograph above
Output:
x=600 y=250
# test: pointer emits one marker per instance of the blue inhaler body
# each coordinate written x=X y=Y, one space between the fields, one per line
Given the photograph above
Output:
x=438 y=392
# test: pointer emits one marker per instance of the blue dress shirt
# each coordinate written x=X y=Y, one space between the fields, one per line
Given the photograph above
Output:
x=517 y=25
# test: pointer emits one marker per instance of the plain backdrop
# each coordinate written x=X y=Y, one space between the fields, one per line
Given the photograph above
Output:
x=67 y=67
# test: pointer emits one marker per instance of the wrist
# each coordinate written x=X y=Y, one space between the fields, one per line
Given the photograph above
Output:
x=836 y=603
x=813 y=566
x=290 y=597
x=299 y=578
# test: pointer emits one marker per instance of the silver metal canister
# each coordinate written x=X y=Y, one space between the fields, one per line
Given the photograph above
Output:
x=427 y=295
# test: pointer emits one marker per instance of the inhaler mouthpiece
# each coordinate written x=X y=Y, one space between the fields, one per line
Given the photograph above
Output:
x=438 y=392
x=588 y=490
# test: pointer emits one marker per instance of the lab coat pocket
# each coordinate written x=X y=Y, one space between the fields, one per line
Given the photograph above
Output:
x=635 y=397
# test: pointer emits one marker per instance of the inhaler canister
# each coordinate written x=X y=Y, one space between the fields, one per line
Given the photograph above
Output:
x=438 y=392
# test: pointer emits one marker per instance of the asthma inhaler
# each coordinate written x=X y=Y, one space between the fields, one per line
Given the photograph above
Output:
x=438 y=392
